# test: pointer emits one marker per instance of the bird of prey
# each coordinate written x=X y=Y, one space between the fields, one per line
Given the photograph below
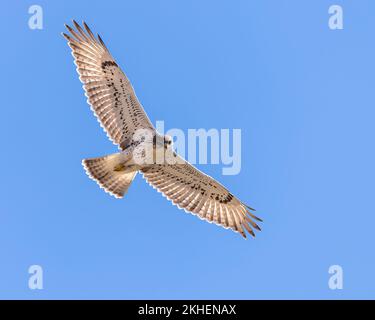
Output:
x=114 y=103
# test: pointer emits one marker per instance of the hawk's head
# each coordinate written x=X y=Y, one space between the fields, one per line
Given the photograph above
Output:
x=162 y=141
x=167 y=141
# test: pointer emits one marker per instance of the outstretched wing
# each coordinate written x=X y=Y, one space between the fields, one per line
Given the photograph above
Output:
x=198 y=193
x=109 y=92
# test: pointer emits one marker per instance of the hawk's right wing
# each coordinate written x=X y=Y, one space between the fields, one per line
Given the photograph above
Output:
x=197 y=193
x=109 y=92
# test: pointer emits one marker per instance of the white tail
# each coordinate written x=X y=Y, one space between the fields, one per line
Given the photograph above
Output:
x=109 y=172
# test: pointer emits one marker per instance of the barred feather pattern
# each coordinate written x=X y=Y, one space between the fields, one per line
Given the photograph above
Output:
x=102 y=171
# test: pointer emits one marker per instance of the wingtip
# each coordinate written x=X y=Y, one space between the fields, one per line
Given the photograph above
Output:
x=254 y=216
x=65 y=36
x=250 y=208
x=101 y=40
x=68 y=27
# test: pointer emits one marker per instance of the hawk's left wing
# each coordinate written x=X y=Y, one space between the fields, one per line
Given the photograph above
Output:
x=198 y=193
x=108 y=90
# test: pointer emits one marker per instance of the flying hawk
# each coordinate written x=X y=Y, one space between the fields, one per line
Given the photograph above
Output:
x=114 y=103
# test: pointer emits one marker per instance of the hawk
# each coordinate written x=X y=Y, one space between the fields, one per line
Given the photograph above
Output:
x=114 y=103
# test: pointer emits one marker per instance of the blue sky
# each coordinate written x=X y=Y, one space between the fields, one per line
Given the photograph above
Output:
x=303 y=96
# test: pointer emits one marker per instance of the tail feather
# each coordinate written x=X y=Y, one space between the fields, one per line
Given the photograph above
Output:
x=105 y=171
